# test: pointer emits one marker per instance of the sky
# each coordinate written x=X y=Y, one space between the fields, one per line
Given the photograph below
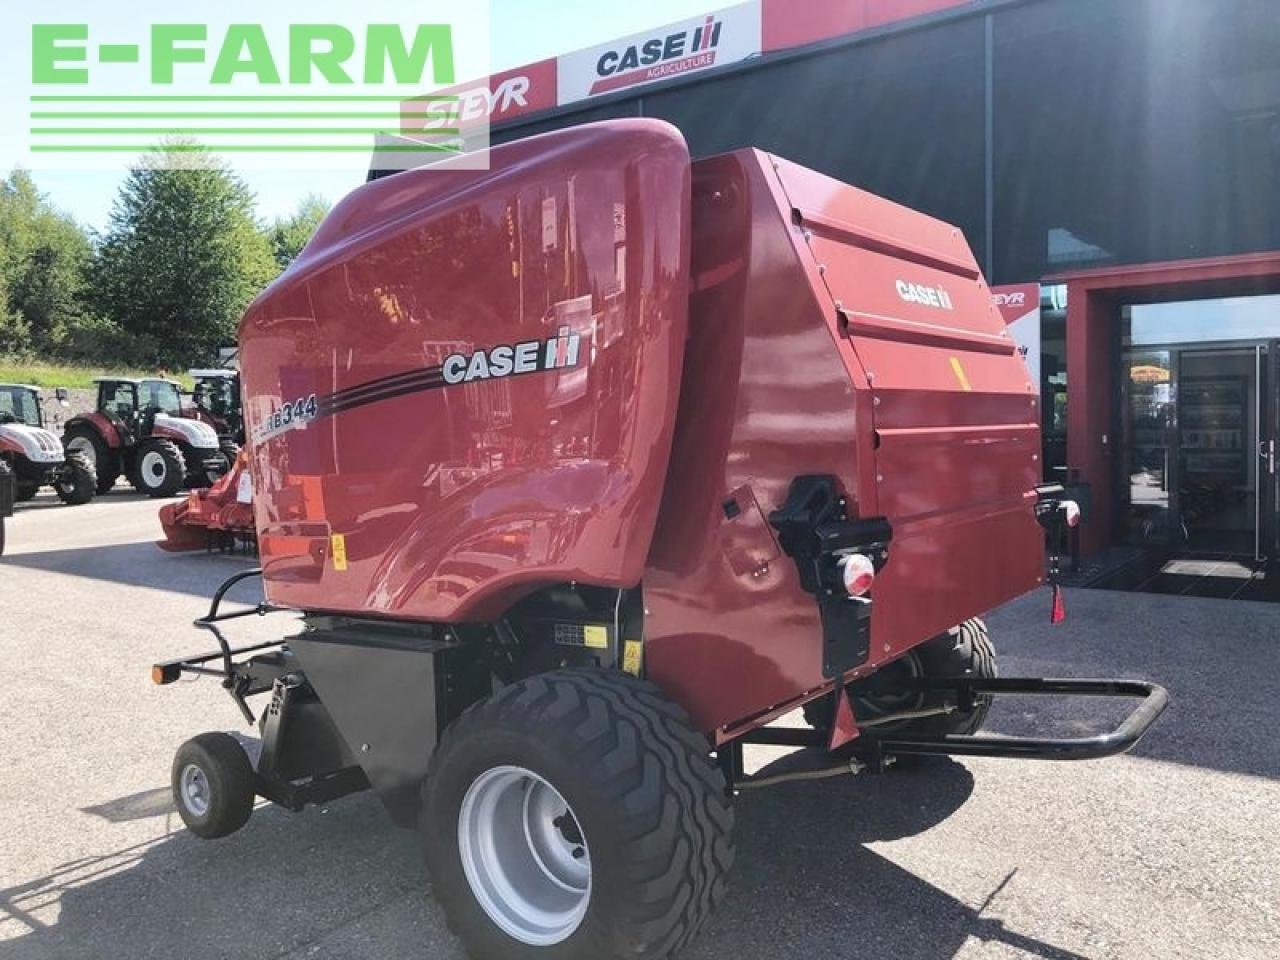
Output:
x=521 y=31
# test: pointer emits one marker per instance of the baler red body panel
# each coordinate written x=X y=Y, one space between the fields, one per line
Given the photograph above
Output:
x=804 y=357
x=815 y=329
x=412 y=497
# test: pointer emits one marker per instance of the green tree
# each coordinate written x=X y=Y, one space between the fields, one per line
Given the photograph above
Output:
x=43 y=258
x=182 y=256
x=290 y=234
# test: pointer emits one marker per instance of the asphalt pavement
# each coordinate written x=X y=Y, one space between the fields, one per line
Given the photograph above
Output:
x=1171 y=851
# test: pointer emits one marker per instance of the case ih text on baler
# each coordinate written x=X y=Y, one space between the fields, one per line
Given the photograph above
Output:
x=583 y=469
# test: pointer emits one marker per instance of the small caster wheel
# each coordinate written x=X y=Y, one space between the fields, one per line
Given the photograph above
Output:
x=213 y=785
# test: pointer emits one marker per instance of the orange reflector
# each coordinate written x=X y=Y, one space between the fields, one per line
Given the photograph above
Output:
x=157 y=675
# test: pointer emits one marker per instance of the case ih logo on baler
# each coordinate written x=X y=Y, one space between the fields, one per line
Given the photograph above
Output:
x=506 y=360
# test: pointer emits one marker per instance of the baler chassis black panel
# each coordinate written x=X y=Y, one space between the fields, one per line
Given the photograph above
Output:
x=379 y=685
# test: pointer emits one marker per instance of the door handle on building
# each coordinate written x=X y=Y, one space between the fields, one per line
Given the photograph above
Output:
x=1267 y=452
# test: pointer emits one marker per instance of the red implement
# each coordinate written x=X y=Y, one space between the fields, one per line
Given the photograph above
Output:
x=218 y=515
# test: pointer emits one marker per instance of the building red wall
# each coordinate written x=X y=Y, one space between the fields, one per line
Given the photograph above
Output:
x=787 y=23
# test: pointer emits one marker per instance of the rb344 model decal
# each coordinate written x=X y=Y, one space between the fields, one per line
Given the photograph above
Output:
x=504 y=360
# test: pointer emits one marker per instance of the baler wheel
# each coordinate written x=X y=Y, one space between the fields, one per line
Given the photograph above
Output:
x=576 y=814
x=79 y=482
x=158 y=468
x=963 y=651
x=213 y=785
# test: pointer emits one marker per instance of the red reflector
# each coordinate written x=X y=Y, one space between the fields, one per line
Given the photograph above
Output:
x=1059 y=611
x=858 y=573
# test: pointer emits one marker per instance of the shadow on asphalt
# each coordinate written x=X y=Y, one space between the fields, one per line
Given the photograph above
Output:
x=1219 y=660
x=46 y=499
x=145 y=565
x=803 y=881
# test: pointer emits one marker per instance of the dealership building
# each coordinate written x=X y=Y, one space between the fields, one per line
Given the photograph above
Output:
x=1115 y=165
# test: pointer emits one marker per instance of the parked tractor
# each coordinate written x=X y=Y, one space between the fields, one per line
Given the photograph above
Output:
x=584 y=468
x=138 y=429
x=216 y=397
x=33 y=453
x=6 y=499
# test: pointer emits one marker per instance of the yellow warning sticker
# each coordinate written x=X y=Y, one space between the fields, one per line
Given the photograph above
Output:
x=338 y=542
x=632 y=654
x=960 y=374
x=596 y=637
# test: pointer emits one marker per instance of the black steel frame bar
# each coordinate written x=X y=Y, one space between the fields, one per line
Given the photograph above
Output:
x=1154 y=700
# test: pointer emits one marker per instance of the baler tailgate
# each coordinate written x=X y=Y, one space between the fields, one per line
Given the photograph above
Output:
x=955 y=414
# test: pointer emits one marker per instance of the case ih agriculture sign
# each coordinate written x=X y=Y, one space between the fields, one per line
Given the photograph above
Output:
x=686 y=47
x=712 y=39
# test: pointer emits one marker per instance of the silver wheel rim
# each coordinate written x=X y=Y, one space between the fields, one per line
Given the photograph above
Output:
x=524 y=855
x=82 y=446
x=193 y=787
x=153 y=468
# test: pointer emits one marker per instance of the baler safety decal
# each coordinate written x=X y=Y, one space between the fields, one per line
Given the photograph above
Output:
x=505 y=360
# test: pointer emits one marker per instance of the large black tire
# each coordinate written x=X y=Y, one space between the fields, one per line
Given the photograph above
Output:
x=105 y=462
x=963 y=651
x=215 y=474
x=643 y=795
x=230 y=449
x=213 y=785
x=78 y=482
x=158 y=468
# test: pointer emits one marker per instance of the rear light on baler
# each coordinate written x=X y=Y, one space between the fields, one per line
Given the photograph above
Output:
x=1071 y=510
x=858 y=573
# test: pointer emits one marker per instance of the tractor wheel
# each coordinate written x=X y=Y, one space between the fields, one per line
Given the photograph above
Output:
x=77 y=482
x=25 y=491
x=576 y=814
x=230 y=449
x=217 y=473
x=158 y=468
x=963 y=651
x=213 y=785
x=104 y=461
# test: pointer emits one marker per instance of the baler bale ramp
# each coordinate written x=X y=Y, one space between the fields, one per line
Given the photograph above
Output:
x=583 y=469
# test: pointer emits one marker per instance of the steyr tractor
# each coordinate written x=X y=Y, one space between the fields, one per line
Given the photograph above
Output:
x=6 y=499
x=33 y=453
x=138 y=429
x=651 y=453
x=216 y=400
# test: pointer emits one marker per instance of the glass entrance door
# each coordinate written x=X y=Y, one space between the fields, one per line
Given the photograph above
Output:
x=1218 y=421
x=1150 y=390
x=1198 y=430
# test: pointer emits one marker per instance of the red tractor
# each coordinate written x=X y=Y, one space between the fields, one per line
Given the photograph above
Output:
x=34 y=455
x=139 y=429
x=584 y=468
